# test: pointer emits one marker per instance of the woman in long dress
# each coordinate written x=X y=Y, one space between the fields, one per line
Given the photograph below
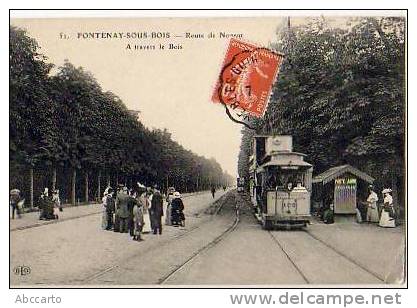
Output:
x=177 y=210
x=146 y=218
x=57 y=203
x=104 y=221
x=372 y=212
x=169 y=198
x=387 y=219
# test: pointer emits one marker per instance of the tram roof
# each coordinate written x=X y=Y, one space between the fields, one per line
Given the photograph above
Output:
x=297 y=163
x=335 y=172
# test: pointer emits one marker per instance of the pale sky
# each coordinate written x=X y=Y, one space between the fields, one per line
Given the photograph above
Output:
x=171 y=88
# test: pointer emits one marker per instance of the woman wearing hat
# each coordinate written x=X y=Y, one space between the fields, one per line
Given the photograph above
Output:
x=170 y=196
x=387 y=215
x=177 y=210
x=372 y=211
x=15 y=199
x=143 y=199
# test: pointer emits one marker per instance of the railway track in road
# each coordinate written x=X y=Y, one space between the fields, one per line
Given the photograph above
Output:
x=340 y=253
x=328 y=246
x=298 y=269
x=176 y=237
x=203 y=249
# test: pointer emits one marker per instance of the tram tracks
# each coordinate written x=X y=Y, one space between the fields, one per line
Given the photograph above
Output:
x=189 y=231
x=203 y=249
x=297 y=268
x=302 y=273
x=350 y=259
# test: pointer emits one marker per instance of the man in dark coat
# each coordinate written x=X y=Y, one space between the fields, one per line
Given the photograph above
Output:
x=130 y=220
x=122 y=209
x=156 y=211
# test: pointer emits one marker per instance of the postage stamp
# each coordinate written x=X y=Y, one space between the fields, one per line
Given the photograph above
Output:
x=246 y=78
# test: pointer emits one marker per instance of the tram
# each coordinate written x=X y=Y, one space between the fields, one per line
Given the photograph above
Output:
x=280 y=183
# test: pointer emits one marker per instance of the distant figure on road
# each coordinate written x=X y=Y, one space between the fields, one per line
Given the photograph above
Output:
x=213 y=191
x=372 y=211
x=157 y=211
x=177 y=211
x=15 y=201
x=224 y=188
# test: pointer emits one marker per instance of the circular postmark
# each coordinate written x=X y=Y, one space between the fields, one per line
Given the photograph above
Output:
x=246 y=79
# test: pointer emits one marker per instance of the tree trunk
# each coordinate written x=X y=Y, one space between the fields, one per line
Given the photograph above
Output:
x=53 y=179
x=86 y=187
x=31 y=187
x=74 y=177
x=99 y=186
x=108 y=180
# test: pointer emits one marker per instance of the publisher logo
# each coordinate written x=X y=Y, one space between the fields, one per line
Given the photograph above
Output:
x=22 y=270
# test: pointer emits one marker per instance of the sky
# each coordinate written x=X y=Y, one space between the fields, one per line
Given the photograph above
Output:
x=171 y=87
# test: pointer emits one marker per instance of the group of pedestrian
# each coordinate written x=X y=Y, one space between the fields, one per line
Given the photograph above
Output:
x=385 y=216
x=49 y=204
x=137 y=211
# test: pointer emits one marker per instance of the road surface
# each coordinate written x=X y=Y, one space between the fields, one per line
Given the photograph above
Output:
x=222 y=244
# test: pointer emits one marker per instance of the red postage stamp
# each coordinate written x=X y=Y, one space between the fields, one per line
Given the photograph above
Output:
x=247 y=75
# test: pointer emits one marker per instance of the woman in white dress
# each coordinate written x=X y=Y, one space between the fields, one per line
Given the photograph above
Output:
x=169 y=198
x=146 y=219
x=387 y=220
x=372 y=212
x=104 y=214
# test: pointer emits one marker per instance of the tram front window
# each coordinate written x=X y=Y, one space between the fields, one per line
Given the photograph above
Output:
x=275 y=179
x=278 y=179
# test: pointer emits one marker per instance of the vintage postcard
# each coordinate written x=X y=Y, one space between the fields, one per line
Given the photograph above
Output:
x=193 y=151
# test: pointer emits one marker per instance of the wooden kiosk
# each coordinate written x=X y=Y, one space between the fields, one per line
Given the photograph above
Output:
x=341 y=186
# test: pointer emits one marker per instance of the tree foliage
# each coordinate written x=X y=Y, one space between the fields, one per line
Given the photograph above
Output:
x=340 y=94
x=67 y=121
